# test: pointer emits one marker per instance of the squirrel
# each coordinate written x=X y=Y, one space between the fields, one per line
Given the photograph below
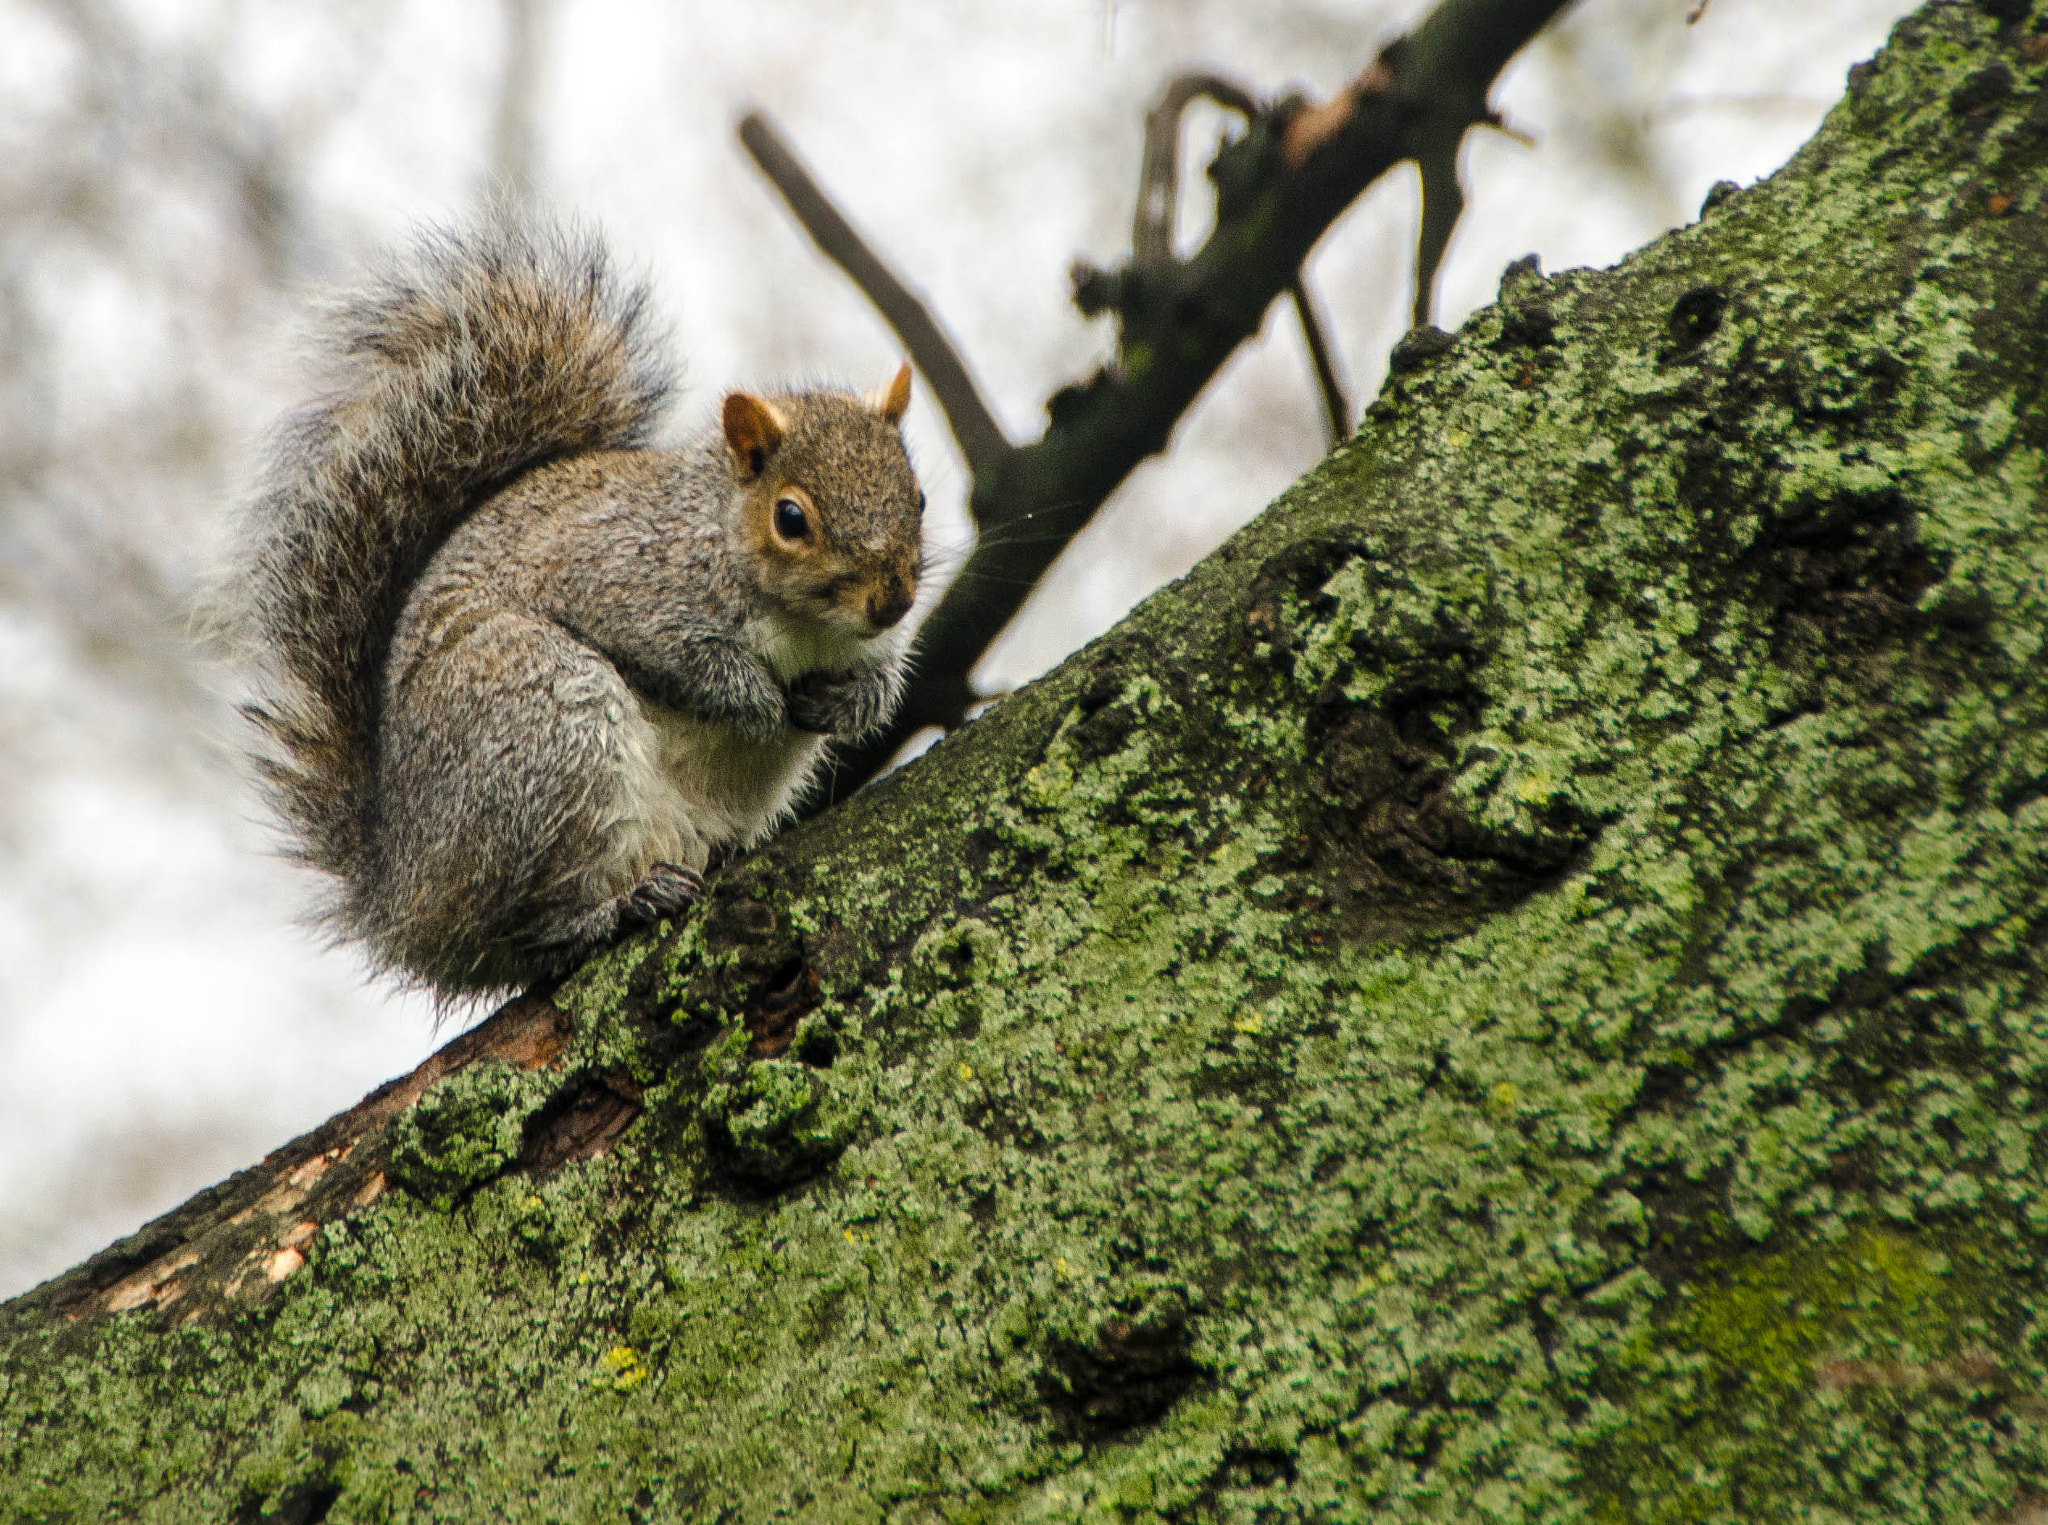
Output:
x=521 y=674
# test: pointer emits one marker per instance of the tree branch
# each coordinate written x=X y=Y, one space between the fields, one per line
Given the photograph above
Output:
x=993 y=1114
x=1315 y=332
x=980 y=437
x=1159 y=176
x=1279 y=188
x=1159 y=204
x=1443 y=202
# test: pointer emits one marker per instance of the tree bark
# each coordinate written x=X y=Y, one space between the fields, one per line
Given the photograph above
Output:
x=1513 y=992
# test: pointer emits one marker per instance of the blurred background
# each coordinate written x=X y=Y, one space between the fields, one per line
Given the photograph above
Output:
x=176 y=174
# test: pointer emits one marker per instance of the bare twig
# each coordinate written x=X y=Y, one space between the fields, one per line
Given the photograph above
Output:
x=981 y=438
x=1159 y=176
x=1336 y=410
x=1443 y=202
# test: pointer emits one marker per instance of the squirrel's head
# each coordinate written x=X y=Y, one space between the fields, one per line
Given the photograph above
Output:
x=829 y=507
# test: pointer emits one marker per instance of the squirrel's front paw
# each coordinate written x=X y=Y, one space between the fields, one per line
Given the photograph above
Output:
x=839 y=704
x=816 y=702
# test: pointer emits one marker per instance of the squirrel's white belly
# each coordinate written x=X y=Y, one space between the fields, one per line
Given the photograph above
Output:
x=690 y=786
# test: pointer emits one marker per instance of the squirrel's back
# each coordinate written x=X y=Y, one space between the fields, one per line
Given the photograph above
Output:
x=480 y=356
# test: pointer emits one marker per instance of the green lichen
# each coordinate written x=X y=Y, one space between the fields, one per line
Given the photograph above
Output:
x=1513 y=993
x=464 y=1132
x=1870 y=1335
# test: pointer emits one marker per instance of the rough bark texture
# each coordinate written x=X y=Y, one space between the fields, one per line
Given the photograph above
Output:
x=1515 y=992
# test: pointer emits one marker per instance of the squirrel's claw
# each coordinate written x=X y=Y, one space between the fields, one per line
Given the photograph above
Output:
x=667 y=889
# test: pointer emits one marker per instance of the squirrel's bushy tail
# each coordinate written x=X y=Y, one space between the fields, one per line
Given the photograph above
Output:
x=479 y=355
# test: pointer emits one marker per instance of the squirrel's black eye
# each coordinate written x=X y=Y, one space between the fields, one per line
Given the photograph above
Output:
x=790 y=522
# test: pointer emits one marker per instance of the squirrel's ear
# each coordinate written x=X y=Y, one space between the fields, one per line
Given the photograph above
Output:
x=893 y=401
x=752 y=431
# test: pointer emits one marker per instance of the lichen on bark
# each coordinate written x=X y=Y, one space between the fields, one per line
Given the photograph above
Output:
x=1513 y=992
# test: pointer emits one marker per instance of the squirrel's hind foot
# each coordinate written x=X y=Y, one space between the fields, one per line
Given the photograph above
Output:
x=668 y=890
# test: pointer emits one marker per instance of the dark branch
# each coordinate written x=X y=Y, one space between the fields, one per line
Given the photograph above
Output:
x=980 y=437
x=1278 y=190
x=1443 y=202
x=1159 y=176
x=1336 y=410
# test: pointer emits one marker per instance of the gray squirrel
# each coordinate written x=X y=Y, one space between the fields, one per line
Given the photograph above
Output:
x=519 y=675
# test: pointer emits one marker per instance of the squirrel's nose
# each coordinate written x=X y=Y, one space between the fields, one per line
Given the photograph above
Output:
x=889 y=603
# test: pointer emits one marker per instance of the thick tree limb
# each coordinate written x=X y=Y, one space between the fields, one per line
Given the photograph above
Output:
x=980 y=437
x=1279 y=188
x=236 y=1241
